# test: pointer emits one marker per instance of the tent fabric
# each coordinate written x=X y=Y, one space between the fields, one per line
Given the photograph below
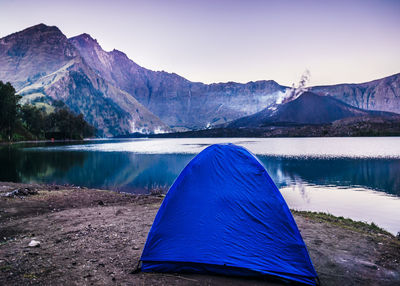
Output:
x=224 y=215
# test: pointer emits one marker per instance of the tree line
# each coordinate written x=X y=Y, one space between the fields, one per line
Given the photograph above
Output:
x=29 y=122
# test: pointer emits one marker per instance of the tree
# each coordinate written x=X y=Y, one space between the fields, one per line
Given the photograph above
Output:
x=8 y=109
x=29 y=121
x=64 y=124
x=34 y=119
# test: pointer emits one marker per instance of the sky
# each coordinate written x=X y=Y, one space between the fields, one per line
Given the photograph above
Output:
x=219 y=40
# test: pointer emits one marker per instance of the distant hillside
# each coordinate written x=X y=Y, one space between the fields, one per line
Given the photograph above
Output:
x=308 y=108
x=309 y=115
x=118 y=96
x=354 y=126
x=175 y=100
x=381 y=94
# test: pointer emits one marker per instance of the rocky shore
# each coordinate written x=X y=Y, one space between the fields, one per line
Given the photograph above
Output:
x=65 y=235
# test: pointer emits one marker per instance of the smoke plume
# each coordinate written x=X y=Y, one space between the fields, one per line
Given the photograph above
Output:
x=295 y=91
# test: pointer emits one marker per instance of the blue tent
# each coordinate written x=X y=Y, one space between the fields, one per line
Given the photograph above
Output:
x=224 y=215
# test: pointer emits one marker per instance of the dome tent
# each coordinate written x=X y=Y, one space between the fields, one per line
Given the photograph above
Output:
x=224 y=215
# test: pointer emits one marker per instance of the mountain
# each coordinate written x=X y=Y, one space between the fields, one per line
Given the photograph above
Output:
x=309 y=115
x=44 y=66
x=381 y=94
x=176 y=100
x=118 y=96
x=115 y=94
x=28 y=55
x=308 y=109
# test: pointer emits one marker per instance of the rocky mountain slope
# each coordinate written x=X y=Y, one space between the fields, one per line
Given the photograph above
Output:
x=118 y=96
x=381 y=94
x=176 y=100
x=308 y=109
x=32 y=53
x=44 y=66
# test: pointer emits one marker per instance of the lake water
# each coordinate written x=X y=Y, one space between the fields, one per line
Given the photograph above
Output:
x=351 y=177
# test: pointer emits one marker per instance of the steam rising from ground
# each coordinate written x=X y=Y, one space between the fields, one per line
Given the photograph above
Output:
x=295 y=91
x=254 y=104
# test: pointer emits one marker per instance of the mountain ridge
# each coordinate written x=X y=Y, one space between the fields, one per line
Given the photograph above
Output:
x=44 y=65
x=176 y=100
x=380 y=94
x=308 y=115
x=307 y=109
x=52 y=69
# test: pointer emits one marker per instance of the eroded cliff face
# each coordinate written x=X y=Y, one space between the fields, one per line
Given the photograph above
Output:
x=44 y=66
x=176 y=100
x=382 y=94
x=182 y=103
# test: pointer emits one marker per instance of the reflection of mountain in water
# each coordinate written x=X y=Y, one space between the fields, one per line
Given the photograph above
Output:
x=127 y=172
x=138 y=173
x=377 y=174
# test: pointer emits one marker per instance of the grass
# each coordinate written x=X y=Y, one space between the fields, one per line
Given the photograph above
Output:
x=30 y=276
x=5 y=268
x=347 y=223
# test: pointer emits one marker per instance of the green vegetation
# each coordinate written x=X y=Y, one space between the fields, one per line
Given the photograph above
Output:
x=343 y=222
x=8 y=109
x=30 y=276
x=30 y=122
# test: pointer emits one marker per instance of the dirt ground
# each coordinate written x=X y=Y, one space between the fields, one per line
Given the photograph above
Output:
x=93 y=237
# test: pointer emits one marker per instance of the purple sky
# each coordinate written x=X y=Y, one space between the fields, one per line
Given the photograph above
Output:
x=212 y=41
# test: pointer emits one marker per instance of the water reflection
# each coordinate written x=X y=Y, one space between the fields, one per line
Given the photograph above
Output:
x=356 y=203
x=137 y=173
x=375 y=174
x=19 y=166
x=128 y=172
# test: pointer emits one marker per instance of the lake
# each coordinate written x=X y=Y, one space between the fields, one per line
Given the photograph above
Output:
x=351 y=177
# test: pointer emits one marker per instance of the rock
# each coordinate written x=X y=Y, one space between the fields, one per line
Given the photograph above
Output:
x=34 y=243
x=21 y=192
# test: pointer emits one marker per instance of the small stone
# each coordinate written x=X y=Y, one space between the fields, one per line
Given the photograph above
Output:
x=21 y=192
x=34 y=243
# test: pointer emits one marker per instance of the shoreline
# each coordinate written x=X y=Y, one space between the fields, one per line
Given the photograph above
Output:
x=192 y=134
x=42 y=141
x=96 y=236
